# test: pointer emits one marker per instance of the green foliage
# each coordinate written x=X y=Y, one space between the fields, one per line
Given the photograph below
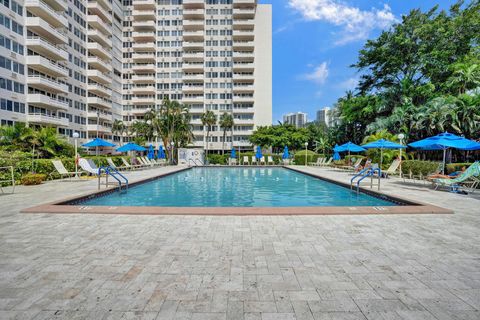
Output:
x=419 y=168
x=299 y=157
x=376 y=154
x=33 y=179
x=279 y=136
x=453 y=167
x=218 y=158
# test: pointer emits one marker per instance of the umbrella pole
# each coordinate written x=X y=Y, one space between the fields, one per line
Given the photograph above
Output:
x=444 y=154
x=381 y=158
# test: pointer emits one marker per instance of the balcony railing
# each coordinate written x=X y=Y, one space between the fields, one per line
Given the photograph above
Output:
x=42 y=118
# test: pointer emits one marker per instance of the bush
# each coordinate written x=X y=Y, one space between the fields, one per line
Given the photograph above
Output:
x=299 y=157
x=32 y=179
x=418 y=167
x=217 y=158
x=453 y=167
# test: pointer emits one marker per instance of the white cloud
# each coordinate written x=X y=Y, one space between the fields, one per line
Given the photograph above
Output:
x=355 y=24
x=349 y=84
x=319 y=74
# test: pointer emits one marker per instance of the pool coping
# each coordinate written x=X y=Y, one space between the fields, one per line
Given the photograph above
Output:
x=407 y=207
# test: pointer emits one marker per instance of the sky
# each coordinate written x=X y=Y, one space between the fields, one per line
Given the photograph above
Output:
x=315 y=42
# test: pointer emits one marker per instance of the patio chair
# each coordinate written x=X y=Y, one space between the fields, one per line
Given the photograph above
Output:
x=262 y=161
x=327 y=163
x=319 y=162
x=246 y=161
x=353 y=167
x=392 y=169
x=161 y=162
x=254 y=160
x=286 y=162
x=88 y=166
x=131 y=166
x=232 y=161
x=270 y=160
x=143 y=162
x=114 y=166
x=469 y=179
x=62 y=171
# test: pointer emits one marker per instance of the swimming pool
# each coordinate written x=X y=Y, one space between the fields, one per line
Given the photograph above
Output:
x=237 y=187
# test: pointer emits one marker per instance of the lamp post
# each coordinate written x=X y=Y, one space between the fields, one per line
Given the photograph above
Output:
x=75 y=138
x=401 y=136
x=306 y=145
x=171 y=151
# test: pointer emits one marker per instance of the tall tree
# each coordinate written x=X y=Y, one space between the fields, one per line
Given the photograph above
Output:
x=209 y=119
x=226 y=123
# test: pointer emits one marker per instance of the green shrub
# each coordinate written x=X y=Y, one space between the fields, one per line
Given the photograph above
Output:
x=453 y=167
x=32 y=179
x=217 y=159
x=418 y=167
x=299 y=157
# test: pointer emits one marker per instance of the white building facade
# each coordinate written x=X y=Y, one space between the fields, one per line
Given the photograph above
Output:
x=298 y=119
x=80 y=65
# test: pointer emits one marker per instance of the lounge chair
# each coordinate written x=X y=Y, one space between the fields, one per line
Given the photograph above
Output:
x=150 y=162
x=317 y=163
x=270 y=160
x=354 y=167
x=62 y=171
x=161 y=162
x=254 y=160
x=114 y=166
x=232 y=161
x=143 y=162
x=262 y=161
x=89 y=166
x=327 y=163
x=131 y=166
x=246 y=162
x=286 y=162
x=469 y=179
x=392 y=169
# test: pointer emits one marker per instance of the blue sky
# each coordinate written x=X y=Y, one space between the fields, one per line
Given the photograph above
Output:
x=315 y=41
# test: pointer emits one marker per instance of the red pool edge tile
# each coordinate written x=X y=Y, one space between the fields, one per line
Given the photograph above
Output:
x=59 y=207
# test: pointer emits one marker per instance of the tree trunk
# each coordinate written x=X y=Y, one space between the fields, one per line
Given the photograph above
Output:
x=223 y=142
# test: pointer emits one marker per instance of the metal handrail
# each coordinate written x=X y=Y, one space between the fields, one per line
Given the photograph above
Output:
x=369 y=172
x=356 y=176
x=110 y=171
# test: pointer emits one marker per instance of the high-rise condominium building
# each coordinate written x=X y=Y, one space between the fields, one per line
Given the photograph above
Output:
x=80 y=65
x=323 y=116
x=298 y=119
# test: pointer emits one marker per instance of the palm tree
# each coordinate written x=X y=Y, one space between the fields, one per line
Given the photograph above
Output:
x=209 y=119
x=118 y=128
x=226 y=123
x=465 y=76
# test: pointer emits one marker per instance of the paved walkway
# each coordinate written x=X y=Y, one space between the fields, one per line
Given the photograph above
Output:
x=231 y=267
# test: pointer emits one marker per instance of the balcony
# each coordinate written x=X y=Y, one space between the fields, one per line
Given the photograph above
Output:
x=243 y=45
x=144 y=68
x=193 y=56
x=45 y=119
x=243 y=77
x=46 y=48
x=193 y=14
x=193 y=99
x=244 y=3
x=99 y=102
x=239 y=121
x=243 y=56
x=192 y=66
x=99 y=37
x=99 y=64
x=141 y=15
x=41 y=100
x=144 y=89
x=141 y=111
x=243 y=34
x=242 y=24
x=99 y=128
x=193 y=24
x=99 y=51
x=46 y=66
x=143 y=78
x=243 y=67
x=47 y=84
x=44 y=11
x=192 y=35
x=45 y=30
x=243 y=13
x=243 y=99
x=192 y=89
x=105 y=116
x=99 y=90
x=144 y=36
x=143 y=100
x=245 y=88
x=97 y=23
x=193 y=77
x=57 y=5
x=143 y=57
x=193 y=4
x=193 y=45
x=144 y=4
x=143 y=46
x=94 y=7
x=99 y=77
x=143 y=25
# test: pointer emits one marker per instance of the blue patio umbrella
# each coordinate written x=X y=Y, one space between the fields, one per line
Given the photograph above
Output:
x=259 y=155
x=161 y=153
x=336 y=155
x=233 y=154
x=350 y=147
x=151 y=153
x=444 y=141
x=383 y=144
x=97 y=142
x=131 y=147
x=285 y=155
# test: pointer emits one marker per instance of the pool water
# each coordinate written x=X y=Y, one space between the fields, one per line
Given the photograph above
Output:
x=237 y=187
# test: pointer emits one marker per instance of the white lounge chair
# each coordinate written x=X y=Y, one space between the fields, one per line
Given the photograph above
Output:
x=327 y=163
x=161 y=162
x=392 y=169
x=286 y=162
x=232 y=161
x=88 y=165
x=262 y=160
x=148 y=161
x=114 y=166
x=131 y=166
x=319 y=162
x=270 y=160
x=254 y=160
x=62 y=171
x=142 y=161
x=246 y=162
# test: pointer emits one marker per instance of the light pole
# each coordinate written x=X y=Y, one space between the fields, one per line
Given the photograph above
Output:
x=75 y=138
x=306 y=150
x=401 y=136
x=171 y=151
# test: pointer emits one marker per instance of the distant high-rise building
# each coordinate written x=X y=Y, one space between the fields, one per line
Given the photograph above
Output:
x=323 y=116
x=298 y=119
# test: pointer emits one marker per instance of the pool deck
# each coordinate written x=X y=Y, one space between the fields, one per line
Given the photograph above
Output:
x=97 y=266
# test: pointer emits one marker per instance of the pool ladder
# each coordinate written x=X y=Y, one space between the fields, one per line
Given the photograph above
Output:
x=365 y=173
x=196 y=162
x=120 y=179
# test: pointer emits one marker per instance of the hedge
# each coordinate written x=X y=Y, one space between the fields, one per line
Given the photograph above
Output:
x=418 y=167
x=299 y=157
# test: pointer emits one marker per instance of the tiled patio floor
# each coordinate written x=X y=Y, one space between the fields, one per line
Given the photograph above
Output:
x=75 y=266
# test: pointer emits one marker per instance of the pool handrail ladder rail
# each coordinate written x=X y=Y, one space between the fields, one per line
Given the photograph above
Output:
x=367 y=172
x=115 y=174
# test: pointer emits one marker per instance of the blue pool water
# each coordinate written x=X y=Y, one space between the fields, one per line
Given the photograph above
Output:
x=237 y=187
